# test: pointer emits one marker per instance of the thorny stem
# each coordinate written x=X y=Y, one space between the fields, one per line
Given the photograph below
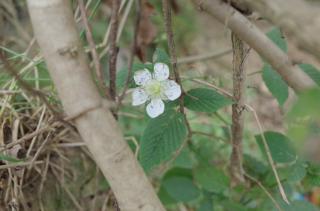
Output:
x=132 y=53
x=171 y=45
x=92 y=45
x=113 y=48
x=113 y=59
x=240 y=52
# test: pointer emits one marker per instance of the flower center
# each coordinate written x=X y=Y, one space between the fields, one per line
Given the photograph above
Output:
x=154 y=88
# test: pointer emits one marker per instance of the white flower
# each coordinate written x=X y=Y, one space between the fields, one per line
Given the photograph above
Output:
x=154 y=88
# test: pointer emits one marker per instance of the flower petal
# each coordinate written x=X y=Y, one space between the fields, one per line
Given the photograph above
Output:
x=172 y=90
x=155 y=108
x=161 y=71
x=139 y=96
x=141 y=77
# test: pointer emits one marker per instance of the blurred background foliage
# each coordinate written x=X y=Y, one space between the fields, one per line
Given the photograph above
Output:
x=197 y=179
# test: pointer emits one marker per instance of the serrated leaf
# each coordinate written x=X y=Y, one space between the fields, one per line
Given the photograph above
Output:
x=205 y=100
x=162 y=137
x=211 y=179
x=161 y=56
x=312 y=72
x=276 y=36
x=280 y=147
x=278 y=88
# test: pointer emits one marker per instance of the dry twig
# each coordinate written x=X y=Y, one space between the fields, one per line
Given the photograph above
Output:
x=269 y=156
x=202 y=57
x=113 y=48
x=265 y=190
x=132 y=53
x=94 y=54
x=171 y=45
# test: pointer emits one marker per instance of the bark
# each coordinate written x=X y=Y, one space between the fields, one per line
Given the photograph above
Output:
x=240 y=52
x=257 y=40
x=56 y=33
x=299 y=19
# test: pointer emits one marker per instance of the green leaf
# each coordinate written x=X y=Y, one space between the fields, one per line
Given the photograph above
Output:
x=162 y=137
x=309 y=99
x=303 y=115
x=211 y=179
x=313 y=175
x=206 y=204
x=279 y=145
x=232 y=206
x=164 y=196
x=181 y=188
x=254 y=166
x=312 y=72
x=205 y=100
x=184 y=160
x=312 y=180
x=297 y=172
x=178 y=183
x=161 y=56
x=8 y=158
x=278 y=88
x=122 y=77
x=314 y=169
x=300 y=205
x=276 y=36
